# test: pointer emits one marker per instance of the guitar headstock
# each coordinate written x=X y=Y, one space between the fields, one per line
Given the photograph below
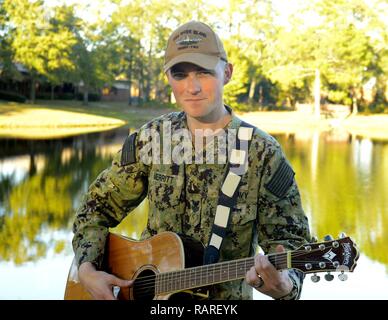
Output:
x=339 y=255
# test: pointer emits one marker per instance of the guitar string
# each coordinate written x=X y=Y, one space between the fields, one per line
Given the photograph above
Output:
x=198 y=274
x=191 y=277
x=168 y=289
x=143 y=291
x=166 y=282
x=218 y=267
x=151 y=290
x=232 y=268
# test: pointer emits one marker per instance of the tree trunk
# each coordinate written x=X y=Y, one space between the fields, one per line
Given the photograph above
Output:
x=141 y=87
x=140 y=80
x=32 y=91
x=317 y=94
x=86 y=95
x=147 y=90
x=130 y=78
x=252 y=88
x=261 y=96
x=354 y=105
x=52 y=91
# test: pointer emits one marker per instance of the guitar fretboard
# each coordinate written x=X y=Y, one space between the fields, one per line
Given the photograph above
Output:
x=211 y=274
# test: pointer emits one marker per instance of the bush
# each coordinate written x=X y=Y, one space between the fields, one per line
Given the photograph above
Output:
x=43 y=95
x=379 y=108
x=57 y=96
x=12 y=96
x=91 y=96
x=65 y=96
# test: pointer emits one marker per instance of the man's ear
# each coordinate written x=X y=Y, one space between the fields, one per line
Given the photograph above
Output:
x=228 y=73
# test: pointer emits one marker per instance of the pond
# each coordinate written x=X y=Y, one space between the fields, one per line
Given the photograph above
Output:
x=342 y=179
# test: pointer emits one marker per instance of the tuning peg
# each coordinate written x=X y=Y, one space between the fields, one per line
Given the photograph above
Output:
x=329 y=277
x=342 y=276
x=314 y=239
x=315 y=278
x=328 y=237
x=342 y=235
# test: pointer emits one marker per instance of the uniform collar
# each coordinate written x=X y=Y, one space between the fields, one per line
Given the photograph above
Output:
x=235 y=122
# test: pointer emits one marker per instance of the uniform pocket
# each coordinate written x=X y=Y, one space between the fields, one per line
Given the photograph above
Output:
x=166 y=205
x=244 y=212
x=238 y=242
x=165 y=191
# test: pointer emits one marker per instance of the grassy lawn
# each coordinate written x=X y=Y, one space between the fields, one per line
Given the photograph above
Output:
x=49 y=119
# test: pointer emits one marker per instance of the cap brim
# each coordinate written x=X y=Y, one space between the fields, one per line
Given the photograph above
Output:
x=203 y=60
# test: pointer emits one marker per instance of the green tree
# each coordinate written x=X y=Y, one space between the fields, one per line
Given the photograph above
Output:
x=348 y=44
x=141 y=29
x=7 y=68
x=238 y=84
x=92 y=53
x=62 y=17
x=257 y=21
x=294 y=59
x=89 y=67
x=34 y=42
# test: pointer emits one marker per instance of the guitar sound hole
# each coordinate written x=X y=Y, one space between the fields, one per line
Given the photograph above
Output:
x=144 y=286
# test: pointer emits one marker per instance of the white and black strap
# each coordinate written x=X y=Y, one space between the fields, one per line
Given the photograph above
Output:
x=236 y=168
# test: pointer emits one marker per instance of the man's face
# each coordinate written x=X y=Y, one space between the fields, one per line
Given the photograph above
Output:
x=198 y=91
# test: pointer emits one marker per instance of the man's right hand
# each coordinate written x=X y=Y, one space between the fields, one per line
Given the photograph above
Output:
x=99 y=283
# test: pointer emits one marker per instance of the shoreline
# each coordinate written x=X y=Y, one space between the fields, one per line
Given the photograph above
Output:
x=374 y=127
x=67 y=118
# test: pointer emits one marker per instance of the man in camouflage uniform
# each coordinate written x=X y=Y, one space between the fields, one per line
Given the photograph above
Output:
x=183 y=195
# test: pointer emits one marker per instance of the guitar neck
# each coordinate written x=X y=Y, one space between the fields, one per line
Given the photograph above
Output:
x=336 y=255
x=211 y=274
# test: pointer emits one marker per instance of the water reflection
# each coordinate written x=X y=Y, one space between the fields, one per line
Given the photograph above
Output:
x=343 y=182
x=40 y=188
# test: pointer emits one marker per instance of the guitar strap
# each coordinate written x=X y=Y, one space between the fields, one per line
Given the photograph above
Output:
x=237 y=166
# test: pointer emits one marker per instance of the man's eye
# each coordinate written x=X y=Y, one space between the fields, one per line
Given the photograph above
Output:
x=178 y=75
x=207 y=72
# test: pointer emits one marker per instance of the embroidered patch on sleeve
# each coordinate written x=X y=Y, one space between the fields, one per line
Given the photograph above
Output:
x=128 y=153
x=281 y=180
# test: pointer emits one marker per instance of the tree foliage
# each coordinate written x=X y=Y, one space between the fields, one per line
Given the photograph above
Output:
x=36 y=43
x=276 y=57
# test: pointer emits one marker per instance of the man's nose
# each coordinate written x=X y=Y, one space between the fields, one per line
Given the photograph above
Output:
x=193 y=84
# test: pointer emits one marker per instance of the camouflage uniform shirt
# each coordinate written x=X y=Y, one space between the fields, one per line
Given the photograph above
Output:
x=183 y=199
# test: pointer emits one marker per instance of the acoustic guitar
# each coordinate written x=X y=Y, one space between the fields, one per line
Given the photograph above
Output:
x=168 y=264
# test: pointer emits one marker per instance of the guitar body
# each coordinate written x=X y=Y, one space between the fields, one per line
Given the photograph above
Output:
x=130 y=259
x=169 y=266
